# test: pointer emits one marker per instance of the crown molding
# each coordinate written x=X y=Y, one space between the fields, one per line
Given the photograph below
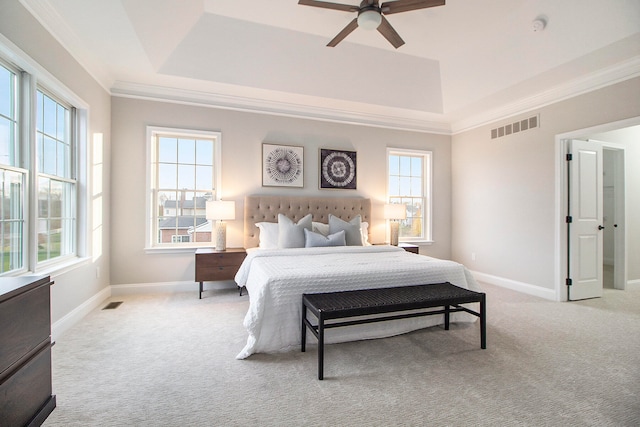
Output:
x=50 y=19
x=620 y=72
x=288 y=109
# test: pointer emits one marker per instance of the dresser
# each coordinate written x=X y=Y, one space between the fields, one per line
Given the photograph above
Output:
x=26 y=397
x=212 y=265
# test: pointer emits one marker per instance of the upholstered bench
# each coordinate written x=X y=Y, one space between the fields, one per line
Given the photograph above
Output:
x=391 y=302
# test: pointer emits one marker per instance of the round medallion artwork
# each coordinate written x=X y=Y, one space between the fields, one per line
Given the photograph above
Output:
x=283 y=165
x=338 y=169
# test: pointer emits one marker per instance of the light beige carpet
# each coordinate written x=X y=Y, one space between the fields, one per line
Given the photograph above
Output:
x=169 y=360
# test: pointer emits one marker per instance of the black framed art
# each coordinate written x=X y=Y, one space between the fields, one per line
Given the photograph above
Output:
x=338 y=169
x=282 y=166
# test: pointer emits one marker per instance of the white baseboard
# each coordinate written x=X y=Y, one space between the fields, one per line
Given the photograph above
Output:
x=74 y=316
x=633 y=284
x=165 y=287
x=525 y=288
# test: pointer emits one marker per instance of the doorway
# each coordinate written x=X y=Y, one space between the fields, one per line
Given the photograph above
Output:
x=614 y=218
x=616 y=259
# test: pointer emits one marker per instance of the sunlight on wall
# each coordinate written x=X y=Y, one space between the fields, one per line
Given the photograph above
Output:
x=96 y=194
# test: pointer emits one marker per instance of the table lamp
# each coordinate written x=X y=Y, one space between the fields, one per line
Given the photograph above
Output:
x=394 y=212
x=221 y=211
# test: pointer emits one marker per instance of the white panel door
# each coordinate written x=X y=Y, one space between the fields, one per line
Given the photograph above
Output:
x=586 y=211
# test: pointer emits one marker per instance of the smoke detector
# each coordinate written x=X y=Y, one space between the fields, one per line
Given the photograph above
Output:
x=538 y=25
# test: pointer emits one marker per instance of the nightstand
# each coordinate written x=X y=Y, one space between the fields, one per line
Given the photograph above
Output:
x=212 y=265
x=409 y=247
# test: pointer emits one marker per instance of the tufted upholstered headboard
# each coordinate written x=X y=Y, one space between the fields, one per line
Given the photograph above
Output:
x=266 y=209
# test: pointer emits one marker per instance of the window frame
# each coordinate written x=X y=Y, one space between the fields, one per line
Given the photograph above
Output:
x=427 y=211
x=151 y=243
x=32 y=77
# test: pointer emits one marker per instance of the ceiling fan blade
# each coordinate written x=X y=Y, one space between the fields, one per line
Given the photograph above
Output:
x=344 y=33
x=389 y=33
x=327 y=5
x=407 y=5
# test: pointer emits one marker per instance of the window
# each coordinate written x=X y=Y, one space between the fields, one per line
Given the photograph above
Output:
x=184 y=175
x=180 y=239
x=12 y=178
x=56 y=186
x=409 y=183
x=38 y=182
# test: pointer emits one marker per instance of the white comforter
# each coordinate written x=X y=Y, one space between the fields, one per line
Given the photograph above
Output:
x=277 y=278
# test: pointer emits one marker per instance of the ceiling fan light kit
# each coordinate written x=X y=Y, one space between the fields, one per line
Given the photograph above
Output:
x=371 y=16
x=369 y=19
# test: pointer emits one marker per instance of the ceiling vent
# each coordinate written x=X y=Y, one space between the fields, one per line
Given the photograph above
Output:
x=515 y=127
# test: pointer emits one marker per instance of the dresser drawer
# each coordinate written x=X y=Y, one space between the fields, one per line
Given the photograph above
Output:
x=28 y=390
x=25 y=322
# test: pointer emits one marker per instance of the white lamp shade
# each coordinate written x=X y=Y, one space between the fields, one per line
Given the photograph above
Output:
x=369 y=20
x=395 y=211
x=221 y=210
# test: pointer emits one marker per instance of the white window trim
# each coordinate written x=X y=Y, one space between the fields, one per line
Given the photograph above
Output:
x=38 y=75
x=428 y=176
x=150 y=245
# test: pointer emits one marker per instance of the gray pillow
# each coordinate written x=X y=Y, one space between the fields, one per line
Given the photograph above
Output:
x=352 y=232
x=290 y=234
x=316 y=240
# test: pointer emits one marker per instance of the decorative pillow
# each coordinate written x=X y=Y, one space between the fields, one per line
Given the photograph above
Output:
x=290 y=234
x=268 y=235
x=364 y=229
x=319 y=227
x=314 y=240
x=352 y=232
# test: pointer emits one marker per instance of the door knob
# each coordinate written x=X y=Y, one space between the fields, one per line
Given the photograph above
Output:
x=600 y=227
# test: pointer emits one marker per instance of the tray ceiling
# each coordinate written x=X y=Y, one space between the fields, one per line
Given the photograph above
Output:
x=463 y=64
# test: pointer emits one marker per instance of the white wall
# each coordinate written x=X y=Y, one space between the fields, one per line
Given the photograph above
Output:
x=503 y=204
x=242 y=137
x=73 y=288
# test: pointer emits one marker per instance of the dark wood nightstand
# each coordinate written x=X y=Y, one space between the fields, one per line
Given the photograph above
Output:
x=410 y=247
x=212 y=265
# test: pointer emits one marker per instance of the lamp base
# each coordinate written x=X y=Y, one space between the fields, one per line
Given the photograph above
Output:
x=394 y=229
x=221 y=236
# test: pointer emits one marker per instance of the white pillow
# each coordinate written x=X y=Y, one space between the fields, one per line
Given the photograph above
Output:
x=290 y=234
x=353 y=234
x=319 y=227
x=268 y=235
x=364 y=229
x=316 y=240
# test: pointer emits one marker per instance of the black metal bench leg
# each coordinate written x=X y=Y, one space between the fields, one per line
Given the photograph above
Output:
x=483 y=321
x=320 y=347
x=200 y=295
x=303 y=337
x=446 y=317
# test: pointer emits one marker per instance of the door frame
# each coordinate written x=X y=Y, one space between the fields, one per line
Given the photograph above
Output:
x=561 y=200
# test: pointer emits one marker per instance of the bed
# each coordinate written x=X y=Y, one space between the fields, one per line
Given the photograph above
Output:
x=276 y=277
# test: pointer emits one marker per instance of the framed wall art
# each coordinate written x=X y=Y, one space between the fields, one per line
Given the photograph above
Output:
x=338 y=169
x=282 y=166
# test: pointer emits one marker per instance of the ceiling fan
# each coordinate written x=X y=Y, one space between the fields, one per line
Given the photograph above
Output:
x=371 y=16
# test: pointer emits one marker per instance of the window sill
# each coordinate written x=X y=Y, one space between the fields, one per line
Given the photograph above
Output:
x=181 y=250
x=418 y=242
x=62 y=267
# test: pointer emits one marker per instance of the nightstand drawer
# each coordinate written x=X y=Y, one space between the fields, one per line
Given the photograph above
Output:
x=219 y=259
x=210 y=274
